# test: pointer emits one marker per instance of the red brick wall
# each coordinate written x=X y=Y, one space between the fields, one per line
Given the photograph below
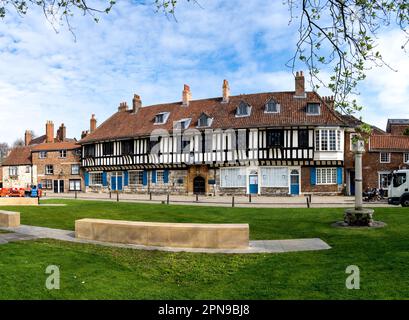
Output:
x=62 y=167
x=398 y=129
x=371 y=164
x=306 y=186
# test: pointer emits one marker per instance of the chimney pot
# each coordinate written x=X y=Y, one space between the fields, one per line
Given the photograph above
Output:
x=49 y=131
x=92 y=123
x=28 y=136
x=299 y=85
x=136 y=103
x=186 y=95
x=123 y=106
x=226 y=91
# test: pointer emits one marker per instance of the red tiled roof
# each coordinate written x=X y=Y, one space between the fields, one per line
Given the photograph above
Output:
x=126 y=124
x=18 y=156
x=66 y=145
x=389 y=142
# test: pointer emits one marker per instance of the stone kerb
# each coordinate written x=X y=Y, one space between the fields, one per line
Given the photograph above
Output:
x=186 y=235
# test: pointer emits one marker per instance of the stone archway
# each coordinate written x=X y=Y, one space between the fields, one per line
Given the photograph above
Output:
x=199 y=185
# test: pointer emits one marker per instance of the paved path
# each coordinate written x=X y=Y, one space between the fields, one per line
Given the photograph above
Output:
x=25 y=232
x=224 y=201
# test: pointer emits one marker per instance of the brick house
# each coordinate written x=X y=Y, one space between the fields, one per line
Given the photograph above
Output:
x=58 y=161
x=274 y=143
x=385 y=151
x=52 y=161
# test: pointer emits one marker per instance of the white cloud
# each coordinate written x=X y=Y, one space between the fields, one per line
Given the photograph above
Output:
x=48 y=76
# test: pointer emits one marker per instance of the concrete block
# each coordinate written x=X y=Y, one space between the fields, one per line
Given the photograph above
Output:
x=189 y=235
x=9 y=219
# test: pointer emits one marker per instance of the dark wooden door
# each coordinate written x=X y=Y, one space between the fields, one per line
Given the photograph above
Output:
x=199 y=185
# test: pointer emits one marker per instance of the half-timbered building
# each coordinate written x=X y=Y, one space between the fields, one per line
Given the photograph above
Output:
x=273 y=143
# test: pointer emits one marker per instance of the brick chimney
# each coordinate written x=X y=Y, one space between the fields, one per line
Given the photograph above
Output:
x=330 y=101
x=123 y=106
x=226 y=91
x=186 y=95
x=61 y=132
x=136 y=103
x=299 y=85
x=49 y=131
x=92 y=124
x=28 y=136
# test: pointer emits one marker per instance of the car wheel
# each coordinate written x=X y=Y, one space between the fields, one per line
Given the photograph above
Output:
x=405 y=202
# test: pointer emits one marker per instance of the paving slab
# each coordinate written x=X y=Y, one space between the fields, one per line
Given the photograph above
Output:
x=26 y=232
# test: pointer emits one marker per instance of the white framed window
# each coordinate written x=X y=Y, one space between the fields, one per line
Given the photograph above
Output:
x=328 y=140
x=232 y=177
x=272 y=107
x=159 y=176
x=384 y=179
x=161 y=118
x=75 y=169
x=42 y=154
x=274 y=177
x=313 y=109
x=243 y=110
x=28 y=169
x=13 y=171
x=47 y=184
x=406 y=157
x=95 y=178
x=49 y=169
x=75 y=185
x=385 y=157
x=326 y=175
x=63 y=153
x=135 y=178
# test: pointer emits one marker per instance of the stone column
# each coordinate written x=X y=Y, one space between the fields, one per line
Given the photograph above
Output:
x=358 y=216
x=358 y=180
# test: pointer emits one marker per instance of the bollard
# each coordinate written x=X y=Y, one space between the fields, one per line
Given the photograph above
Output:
x=117 y=196
x=197 y=198
x=232 y=201
x=167 y=199
x=250 y=197
x=308 y=201
x=110 y=195
x=76 y=194
x=150 y=196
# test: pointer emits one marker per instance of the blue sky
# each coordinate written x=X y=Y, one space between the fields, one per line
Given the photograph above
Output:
x=46 y=75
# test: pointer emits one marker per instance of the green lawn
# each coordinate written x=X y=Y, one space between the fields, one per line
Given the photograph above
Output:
x=96 y=272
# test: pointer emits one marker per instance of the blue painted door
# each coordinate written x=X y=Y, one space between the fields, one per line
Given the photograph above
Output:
x=295 y=182
x=119 y=182
x=253 y=187
x=113 y=183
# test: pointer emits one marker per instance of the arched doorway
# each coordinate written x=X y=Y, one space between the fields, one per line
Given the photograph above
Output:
x=199 y=185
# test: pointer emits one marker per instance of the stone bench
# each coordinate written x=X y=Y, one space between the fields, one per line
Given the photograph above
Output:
x=187 y=235
x=9 y=219
x=17 y=201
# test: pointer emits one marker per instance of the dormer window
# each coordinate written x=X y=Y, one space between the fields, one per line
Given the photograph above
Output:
x=182 y=124
x=313 y=109
x=272 y=107
x=204 y=120
x=243 y=110
x=161 y=118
